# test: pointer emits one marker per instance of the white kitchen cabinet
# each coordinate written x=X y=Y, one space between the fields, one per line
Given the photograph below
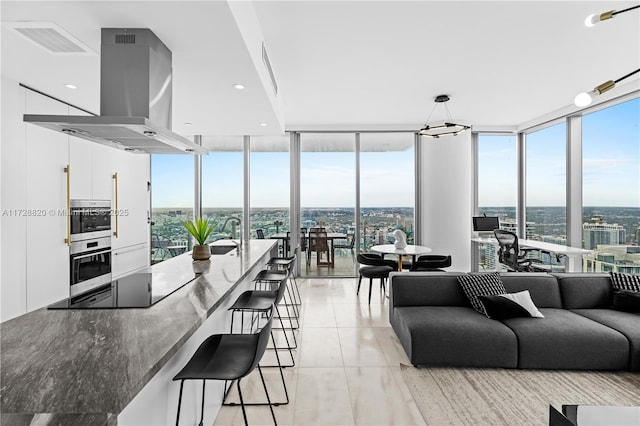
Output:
x=129 y=259
x=80 y=162
x=133 y=203
x=47 y=254
x=104 y=163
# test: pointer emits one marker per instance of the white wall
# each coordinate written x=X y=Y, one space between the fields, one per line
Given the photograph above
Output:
x=447 y=197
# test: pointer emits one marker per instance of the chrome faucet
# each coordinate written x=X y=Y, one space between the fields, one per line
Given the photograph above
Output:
x=224 y=226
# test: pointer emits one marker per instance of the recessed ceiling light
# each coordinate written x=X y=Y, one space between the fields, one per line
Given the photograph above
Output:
x=238 y=86
x=263 y=124
x=188 y=124
x=70 y=86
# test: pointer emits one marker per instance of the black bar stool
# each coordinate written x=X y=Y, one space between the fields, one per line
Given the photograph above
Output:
x=227 y=357
x=269 y=279
x=288 y=263
x=257 y=303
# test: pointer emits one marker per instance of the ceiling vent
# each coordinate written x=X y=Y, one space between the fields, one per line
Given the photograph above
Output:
x=267 y=64
x=52 y=38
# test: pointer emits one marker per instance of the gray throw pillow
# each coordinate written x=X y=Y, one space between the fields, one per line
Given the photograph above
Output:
x=481 y=284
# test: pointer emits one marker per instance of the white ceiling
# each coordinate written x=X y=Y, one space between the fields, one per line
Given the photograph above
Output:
x=345 y=65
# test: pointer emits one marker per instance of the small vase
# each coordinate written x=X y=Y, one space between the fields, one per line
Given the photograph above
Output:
x=201 y=252
x=201 y=266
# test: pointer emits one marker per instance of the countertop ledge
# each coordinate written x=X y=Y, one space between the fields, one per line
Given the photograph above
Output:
x=83 y=367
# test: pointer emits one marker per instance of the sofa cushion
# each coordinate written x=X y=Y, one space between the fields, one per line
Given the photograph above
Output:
x=584 y=291
x=481 y=284
x=454 y=337
x=626 y=323
x=510 y=305
x=426 y=289
x=625 y=300
x=543 y=287
x=566 y=340
x=622 y=281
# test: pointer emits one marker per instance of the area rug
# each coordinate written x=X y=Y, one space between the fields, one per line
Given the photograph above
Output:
x=479 y=397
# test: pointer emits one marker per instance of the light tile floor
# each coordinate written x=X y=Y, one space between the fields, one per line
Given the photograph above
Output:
x=347 y=365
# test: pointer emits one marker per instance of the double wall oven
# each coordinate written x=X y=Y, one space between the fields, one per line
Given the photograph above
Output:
x=90 y=248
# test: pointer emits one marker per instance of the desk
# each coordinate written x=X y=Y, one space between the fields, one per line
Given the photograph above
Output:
x=573 y=254
x=410 y=249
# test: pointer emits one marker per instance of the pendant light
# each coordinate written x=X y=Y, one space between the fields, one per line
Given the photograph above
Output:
x=448 y=128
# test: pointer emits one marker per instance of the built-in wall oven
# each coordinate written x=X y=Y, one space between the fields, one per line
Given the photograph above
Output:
x=90 y=248
x=90 y=219
x=90 y=264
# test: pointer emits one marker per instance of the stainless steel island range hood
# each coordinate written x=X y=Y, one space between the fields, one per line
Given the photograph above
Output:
x=135 y=98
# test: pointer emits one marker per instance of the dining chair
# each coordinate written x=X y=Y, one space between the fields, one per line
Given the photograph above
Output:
x=431 y=262
x=374 y=266
x=319 y=243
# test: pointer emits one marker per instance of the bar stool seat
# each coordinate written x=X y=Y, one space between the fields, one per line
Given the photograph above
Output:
x=255 y=300
x=227 y=357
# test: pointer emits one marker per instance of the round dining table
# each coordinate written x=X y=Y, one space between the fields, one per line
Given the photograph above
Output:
x=409 y=250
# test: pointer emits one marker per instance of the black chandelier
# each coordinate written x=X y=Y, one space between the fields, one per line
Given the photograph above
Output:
x=448 y=128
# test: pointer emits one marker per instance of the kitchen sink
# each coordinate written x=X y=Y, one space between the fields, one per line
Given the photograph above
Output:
x=221 y=249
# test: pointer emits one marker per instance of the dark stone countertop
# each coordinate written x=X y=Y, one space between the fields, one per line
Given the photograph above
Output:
x=84 y=366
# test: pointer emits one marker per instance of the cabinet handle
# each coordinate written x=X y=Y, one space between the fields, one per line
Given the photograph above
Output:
x=67 y=171
x=115 y=180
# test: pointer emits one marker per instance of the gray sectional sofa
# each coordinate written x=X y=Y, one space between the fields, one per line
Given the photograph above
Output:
x=438 y=327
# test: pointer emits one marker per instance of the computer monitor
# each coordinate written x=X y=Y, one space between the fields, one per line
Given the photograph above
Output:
x=485 y=223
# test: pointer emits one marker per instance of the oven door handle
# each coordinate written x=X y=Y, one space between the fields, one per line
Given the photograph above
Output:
x=74 y=257
x=115 y=180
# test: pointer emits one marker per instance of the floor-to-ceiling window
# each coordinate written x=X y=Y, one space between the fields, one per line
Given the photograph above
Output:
x=327 y=196
x=223 y=185
x=611 y=188
x=387 y=190
x=269 y=188
x=546 y=171
x=497 y=188
x=171 y=204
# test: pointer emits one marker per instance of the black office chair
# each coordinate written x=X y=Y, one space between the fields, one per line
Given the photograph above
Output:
x=260 y=234
x=227 y=357
x=431 y=262
x=512 y=256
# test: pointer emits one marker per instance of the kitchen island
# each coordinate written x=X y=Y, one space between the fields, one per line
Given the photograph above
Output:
x=114 y=366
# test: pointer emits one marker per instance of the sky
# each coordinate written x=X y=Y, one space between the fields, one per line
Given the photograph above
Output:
x=327 y=179
x=611 y=162
x=611 y=177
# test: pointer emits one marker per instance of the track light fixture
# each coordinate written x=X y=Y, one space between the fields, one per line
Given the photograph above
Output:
x=595 y=18
x=585 y=98
x=448 y=128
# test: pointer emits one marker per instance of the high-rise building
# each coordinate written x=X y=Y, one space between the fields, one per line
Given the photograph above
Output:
x=598 y=233
x=613 y=258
